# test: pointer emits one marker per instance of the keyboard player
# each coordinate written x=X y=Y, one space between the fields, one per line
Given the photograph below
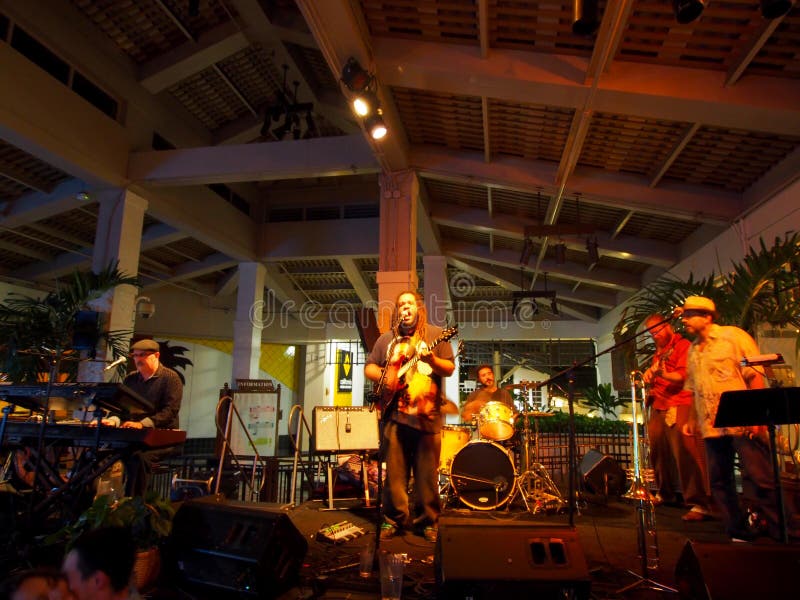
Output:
x=163 y=388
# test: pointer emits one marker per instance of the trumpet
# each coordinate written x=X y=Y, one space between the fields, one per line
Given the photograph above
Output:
x=639 y=491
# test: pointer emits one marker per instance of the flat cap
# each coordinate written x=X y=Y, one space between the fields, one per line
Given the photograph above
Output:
x=146 y=346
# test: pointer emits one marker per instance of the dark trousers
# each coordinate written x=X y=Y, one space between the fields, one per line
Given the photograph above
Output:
x=755 y=465
x=410 y=451
x=677 y=459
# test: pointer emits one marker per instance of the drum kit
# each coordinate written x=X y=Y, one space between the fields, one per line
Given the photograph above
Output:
x=488 y=464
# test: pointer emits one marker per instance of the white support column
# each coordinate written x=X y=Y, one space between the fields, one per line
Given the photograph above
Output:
x=246 y=331
x=117 y=240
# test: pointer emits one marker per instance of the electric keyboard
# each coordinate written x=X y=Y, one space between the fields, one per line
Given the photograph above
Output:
x=27 y=434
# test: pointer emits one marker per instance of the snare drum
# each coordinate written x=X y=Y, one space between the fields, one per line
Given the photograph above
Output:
x=496 y=421
x=454 y=437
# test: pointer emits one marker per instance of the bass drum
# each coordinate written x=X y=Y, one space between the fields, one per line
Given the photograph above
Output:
x=482 y=475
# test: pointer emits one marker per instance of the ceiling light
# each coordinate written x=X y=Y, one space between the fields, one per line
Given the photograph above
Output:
x=354 y=76
x=772 y=9
x=584 y=17
x=561 y=253
x=375 y=125
x=687 y=11
x=83 y=196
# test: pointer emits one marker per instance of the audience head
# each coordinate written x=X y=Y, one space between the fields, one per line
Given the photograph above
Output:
x=36 y=584
x=100 y=563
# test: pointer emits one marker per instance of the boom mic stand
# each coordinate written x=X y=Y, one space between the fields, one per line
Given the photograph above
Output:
x=569 y=372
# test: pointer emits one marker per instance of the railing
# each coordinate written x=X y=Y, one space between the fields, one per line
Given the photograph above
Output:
x=553 y=449
x=274 y=480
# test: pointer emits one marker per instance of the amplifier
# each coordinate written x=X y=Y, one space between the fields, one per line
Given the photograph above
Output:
x=344 y=428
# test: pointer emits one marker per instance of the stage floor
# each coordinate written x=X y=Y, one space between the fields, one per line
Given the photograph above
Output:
x=606 y=536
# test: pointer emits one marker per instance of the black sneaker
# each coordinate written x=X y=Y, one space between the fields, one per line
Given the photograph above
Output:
x=388 y=530
x=431 y=533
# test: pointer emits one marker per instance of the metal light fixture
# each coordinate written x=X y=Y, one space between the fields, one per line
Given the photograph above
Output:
x=561 y=253
x=594 y=254
x=527 y=251
x=287 y=107
x=687 y=11
x=772 y=9
x=354 y=76
x=584 y=17
x=365 y=100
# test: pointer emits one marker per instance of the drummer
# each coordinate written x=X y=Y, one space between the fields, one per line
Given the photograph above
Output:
x=488 y=392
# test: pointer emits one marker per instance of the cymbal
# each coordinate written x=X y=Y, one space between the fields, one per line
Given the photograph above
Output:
x=522 y=385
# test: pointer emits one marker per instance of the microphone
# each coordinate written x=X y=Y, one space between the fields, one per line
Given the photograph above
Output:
x=119 y=361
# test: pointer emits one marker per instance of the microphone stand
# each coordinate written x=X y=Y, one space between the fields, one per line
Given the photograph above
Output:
x=570 y=373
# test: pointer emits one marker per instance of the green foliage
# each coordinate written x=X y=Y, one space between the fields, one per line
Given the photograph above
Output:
x=173 y=358
x=602 y=398
x=559 y=423
x=30 y=325
x=149 y=518
x=763 y=288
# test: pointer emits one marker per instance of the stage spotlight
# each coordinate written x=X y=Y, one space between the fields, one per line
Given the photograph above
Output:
x=354 y=76
x=584 y=17
x=561 y=253
x=591 y=248
x=772 y=9
x=375 y=125
x=687 y=11
x=365 y=103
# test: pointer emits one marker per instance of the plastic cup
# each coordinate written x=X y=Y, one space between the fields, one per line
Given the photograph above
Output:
x=391 y=573
x=366 y=557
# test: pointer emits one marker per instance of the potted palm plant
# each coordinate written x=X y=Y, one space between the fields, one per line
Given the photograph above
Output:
x=148 y=517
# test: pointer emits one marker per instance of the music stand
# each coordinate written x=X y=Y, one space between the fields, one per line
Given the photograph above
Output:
x=125 y=403
x=767 y=406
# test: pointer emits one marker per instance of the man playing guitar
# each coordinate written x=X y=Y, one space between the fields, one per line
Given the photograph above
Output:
x=409 y=361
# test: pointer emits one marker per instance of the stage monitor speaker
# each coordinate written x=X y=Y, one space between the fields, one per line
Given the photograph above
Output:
x=483 y=559
x=250 y=549
x=716 y=571
x=602 y=475
x=344 y=428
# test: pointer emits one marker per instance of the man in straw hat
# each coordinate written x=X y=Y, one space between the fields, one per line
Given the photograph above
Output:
x=714 y=366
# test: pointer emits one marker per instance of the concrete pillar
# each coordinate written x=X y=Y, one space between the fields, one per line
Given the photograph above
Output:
x=118 y=239
x=246 y=325
x=397 y=263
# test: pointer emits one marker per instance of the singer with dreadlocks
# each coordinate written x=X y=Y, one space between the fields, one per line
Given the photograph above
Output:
x=411 y=414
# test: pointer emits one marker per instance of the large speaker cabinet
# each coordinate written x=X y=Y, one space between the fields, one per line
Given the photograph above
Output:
x=482 y=559
x=715 y=571
x=250 y=549
x=344 y=428
x=602 y=474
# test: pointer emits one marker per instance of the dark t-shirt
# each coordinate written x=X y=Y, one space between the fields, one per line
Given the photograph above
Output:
x=165 y=390
x=419 y=405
